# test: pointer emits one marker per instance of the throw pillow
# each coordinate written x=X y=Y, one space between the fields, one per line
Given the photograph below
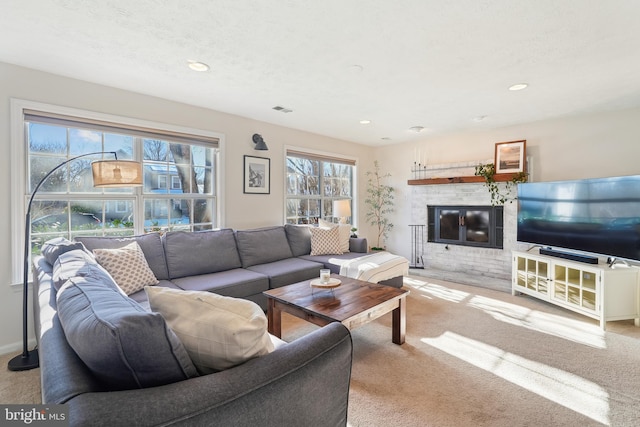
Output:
x=123 y=345
x=150 y=243
x=218 y=332
x=343 y=229
x=127 y=266
x=325 y=241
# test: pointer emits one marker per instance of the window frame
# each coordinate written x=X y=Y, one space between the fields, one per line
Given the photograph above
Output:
x=294 y=151
x=175 y=180
x=117 y=206
x=20 y=157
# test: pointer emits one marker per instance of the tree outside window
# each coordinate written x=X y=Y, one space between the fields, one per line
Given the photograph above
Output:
x=68 y=205
x=313 y=183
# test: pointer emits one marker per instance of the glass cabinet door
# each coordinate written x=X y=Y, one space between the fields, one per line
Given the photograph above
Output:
x=560 y=283
x=449 y=225
x=533 y=274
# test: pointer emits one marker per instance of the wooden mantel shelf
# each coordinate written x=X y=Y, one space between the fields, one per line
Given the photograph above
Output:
x=499 y=177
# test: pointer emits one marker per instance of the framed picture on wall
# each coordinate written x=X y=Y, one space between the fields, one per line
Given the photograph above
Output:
x=510 y=156
x=257 y=175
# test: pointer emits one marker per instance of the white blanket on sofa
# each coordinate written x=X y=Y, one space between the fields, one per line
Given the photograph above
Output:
x=375 y=267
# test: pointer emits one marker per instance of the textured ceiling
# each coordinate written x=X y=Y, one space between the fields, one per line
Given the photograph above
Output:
x=432 y=63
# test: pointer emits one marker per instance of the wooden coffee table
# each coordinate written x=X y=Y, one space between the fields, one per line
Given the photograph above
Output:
x=354 y=303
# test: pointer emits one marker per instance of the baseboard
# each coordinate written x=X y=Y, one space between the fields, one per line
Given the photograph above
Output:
x=16 y=347
x=493 y=283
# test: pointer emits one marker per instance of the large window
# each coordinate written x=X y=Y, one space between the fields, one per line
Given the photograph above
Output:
x=179 y=191
x=313 y=183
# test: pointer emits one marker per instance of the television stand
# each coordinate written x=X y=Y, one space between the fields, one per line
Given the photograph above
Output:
x=596 y=291
x=568 y=255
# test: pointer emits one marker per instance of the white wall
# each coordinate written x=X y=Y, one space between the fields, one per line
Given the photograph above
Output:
x=596 y=145
x=240 y=210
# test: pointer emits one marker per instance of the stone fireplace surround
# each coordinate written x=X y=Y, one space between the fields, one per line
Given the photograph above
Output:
x=489 y=268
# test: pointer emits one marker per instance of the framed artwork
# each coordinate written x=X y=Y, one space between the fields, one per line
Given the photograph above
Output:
x=510 y=156
x=257 y=175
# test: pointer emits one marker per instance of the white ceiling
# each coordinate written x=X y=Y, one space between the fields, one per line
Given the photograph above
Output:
x=432 y=63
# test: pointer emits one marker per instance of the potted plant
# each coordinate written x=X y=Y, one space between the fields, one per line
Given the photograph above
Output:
x=379 y=203
x=488 y=172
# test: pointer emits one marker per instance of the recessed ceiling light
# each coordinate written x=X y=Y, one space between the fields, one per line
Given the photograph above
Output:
x=198 y=66
x=479 y=118
x=416 y=129
x=518 y=86
x=356 y=69
x=385 y=138
x=365 y=122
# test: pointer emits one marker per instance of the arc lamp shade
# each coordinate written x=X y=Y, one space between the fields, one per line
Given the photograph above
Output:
x=116 y=173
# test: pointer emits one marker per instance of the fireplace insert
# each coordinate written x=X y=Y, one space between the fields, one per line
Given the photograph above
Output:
x=480 y=226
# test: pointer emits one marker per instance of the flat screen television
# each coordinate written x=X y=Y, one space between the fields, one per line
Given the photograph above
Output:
x=599 y=215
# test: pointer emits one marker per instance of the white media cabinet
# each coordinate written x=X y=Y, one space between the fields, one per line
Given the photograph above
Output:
x=594 y=290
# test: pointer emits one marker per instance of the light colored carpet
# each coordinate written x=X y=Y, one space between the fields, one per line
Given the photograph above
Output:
x=478 y=357
x=473 y=357
x=18 y=387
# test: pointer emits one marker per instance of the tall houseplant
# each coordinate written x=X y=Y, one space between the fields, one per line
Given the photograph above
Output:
x=379 y=203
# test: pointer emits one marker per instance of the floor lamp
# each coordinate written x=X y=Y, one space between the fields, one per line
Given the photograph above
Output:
x=106 y=173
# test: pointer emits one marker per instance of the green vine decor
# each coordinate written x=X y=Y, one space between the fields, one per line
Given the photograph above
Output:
x=499 y=195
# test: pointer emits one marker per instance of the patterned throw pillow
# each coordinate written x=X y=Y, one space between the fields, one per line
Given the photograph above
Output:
x=325 y=241
x=343 y=229
x=128 y=267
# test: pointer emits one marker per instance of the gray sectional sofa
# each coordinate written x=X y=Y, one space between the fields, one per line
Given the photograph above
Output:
x=148 y=380
x=235 y=263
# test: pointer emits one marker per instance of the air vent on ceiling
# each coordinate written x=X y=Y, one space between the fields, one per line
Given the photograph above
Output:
x=282 y=109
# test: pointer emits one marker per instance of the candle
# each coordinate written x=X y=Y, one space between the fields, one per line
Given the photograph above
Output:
x=325 y=274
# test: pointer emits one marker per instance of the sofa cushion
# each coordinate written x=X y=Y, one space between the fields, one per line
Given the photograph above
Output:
x=218 y=332
x=150 y=244
x=79 y=263
x=123 y=345
x=288 y=271
x=202 y=252
x=128 y=267
x=299 y=238
x=52 y=249
x=325 y=241
x=141 y=296
x=332 y=262
x=237 y=283
x=358 y=244
x=262 y=245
